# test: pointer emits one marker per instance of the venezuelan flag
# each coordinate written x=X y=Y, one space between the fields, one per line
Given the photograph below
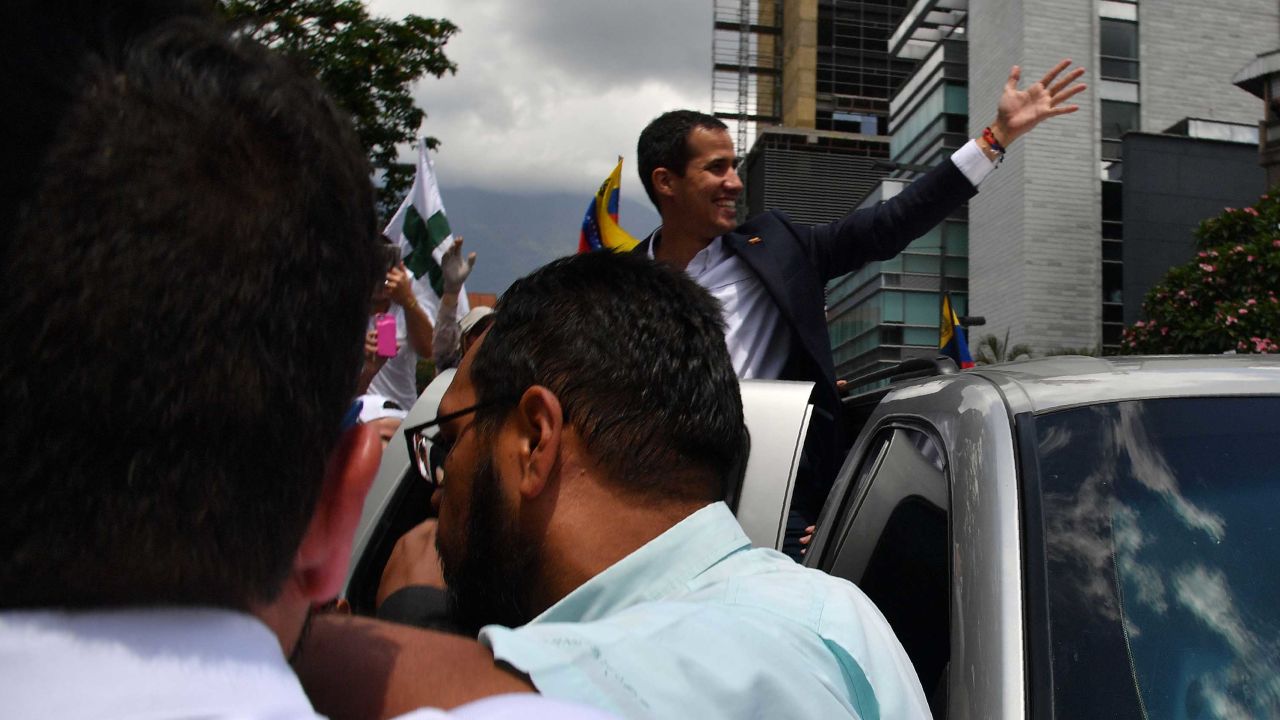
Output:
x=951 y=339
x=600 y=228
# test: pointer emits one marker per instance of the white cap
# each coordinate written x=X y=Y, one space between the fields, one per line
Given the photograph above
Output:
x=469 y=320
x=377 y=407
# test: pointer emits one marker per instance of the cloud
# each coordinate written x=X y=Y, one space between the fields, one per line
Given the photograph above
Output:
x=547 y=95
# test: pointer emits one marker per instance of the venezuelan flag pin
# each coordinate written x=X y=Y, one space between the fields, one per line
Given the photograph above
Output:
x=754 y=241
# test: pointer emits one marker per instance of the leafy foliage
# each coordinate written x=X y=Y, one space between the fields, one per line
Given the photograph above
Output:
x=368 y=64
x=992 y=350
x=1225 y=298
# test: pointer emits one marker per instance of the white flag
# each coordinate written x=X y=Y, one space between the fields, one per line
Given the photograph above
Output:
x=422 y=231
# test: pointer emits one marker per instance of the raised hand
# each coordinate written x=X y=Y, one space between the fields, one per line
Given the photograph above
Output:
x=1021 y=110
x=454 y=267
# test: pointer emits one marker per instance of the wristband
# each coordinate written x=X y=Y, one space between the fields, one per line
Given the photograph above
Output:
x=990 y=138
x=413 y=303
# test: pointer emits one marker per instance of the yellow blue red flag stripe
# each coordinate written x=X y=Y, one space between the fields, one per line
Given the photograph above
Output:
x=600 y=228
x=951 y=339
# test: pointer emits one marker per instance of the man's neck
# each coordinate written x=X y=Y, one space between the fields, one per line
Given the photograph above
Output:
x=676 y=247
x=593 y=547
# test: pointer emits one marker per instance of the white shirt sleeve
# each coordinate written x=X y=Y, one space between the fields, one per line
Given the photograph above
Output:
x=973 y=162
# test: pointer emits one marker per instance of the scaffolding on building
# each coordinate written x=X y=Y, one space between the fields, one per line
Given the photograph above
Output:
x=746 y=59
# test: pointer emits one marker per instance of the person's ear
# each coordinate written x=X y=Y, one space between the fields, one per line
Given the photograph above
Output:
x=663 y=182
x=540 y=427
x=324 y=556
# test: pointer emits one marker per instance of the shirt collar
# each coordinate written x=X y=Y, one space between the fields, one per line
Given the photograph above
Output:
x=661 y=567
x=705 y=258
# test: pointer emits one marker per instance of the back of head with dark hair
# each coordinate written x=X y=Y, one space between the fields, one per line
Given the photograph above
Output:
x=665 y=143
x=635 y=352
x=185 y=289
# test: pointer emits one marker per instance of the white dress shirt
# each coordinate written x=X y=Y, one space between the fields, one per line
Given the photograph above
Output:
x=150 y=664
x=758 y=341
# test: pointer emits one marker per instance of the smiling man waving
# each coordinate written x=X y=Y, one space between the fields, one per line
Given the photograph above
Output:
x=769 y=273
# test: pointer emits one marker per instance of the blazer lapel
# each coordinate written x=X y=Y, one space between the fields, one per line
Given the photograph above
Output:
x=762 y=257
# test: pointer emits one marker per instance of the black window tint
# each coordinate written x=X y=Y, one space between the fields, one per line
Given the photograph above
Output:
x=1118 y=118
x=893 y=544
x=1118 y=49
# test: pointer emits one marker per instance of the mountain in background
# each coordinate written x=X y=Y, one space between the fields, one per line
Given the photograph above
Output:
x=512 y=235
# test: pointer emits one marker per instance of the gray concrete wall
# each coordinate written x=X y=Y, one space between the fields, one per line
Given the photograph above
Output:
x=1034 y=258
x=1170 y=185
x=1188 y=51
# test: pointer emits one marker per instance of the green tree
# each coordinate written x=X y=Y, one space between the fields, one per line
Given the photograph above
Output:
x=992 y=350
x=368 y=64
x=1224 y=298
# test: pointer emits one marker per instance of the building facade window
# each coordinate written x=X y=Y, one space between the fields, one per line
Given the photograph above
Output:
x=1118 y=118
x=1118 y=49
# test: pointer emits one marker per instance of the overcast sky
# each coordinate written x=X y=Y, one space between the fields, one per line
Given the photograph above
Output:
x=548 y=94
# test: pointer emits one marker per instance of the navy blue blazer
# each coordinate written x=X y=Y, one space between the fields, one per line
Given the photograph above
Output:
x=795 y=262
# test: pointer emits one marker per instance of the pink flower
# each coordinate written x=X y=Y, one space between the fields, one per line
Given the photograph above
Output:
x=1182 y=293
x=1139 y=324
x=1274 y=300
x=1264 y=196
x=1213 y=253
x=1133 y=344
x=1248 y=258
x=1238 y=248
x=1242 y=311
x=1275 y=243
x=1250 y=301
x=1228 y=209
x=1194 y=303
x=1206 y=267
x=1164 y=329
x=1231 y=320
x=1203 y=254
x=1251 y=211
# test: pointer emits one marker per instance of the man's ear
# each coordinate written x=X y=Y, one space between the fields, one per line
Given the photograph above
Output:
x=663 y=182
x=540 y=425
x=325 y=553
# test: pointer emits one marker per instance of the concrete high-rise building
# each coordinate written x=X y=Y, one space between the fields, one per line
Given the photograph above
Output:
x=1044 y=261
x=822 y=83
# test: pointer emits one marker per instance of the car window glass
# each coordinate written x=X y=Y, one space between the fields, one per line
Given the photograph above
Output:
x=1160 y=544
x=894 y=547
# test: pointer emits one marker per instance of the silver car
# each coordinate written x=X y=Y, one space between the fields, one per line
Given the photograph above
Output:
x=1073 y=537
x=1066 y=537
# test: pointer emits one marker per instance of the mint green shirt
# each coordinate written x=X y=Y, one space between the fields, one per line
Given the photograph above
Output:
x=698 y=624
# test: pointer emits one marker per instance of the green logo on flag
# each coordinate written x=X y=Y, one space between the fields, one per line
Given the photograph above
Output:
x=425 y=237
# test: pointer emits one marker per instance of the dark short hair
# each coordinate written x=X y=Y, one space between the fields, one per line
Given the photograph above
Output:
x=635 y=352
x=665 y=143
x=184 y=296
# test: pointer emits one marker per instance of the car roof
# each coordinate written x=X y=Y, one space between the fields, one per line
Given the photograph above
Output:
x=1053 y=383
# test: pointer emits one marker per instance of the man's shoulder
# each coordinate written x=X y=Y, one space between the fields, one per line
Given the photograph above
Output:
x=766 y=580
x=766 y=221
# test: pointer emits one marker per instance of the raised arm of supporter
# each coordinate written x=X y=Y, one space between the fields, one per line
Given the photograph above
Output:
x=447 y=349
x=1021 y=110
x=418 y=325
x=373 y=362
x=360 y=668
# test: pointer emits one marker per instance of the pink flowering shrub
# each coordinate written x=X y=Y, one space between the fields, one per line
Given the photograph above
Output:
x=1223 y=299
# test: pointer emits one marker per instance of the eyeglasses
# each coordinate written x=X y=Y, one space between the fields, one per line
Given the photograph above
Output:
x=428 y=451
